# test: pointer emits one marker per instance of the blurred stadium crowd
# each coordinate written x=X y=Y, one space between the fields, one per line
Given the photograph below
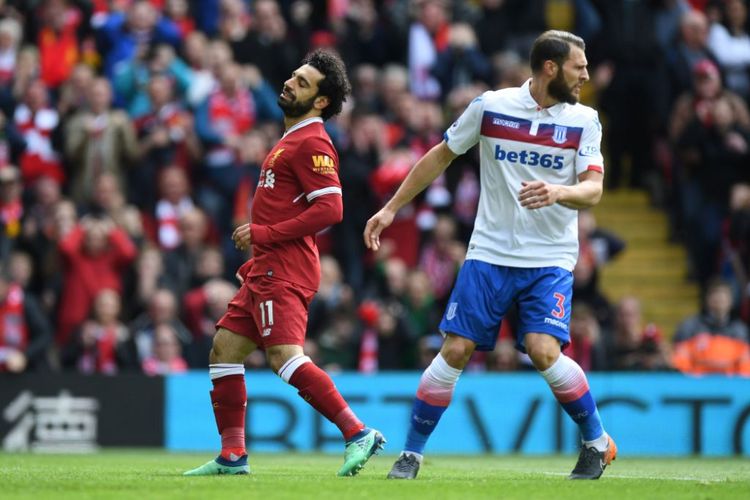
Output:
x=132 y=131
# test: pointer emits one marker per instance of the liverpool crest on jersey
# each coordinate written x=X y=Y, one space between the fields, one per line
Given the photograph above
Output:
x=275 y=156
x=560 y=134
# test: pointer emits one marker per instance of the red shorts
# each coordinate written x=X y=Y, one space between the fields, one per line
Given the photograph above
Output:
x=269 y=312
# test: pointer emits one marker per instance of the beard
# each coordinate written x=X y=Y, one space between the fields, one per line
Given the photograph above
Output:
x=295 y=109
x=558 y=89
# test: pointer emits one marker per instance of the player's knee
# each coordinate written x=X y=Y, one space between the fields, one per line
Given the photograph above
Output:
x=542 y=360
x=543 y=355
x=217 y=355
x=278 y=355
x=275 y=361
x=227 y=349
x=457 y=354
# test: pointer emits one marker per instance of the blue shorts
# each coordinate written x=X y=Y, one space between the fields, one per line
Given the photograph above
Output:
x=484 y=292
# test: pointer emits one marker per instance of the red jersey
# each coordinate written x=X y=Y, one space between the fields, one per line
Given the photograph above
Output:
x=301 y=167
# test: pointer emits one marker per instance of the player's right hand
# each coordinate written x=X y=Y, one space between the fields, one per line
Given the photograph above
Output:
x=375 y=226
x=241 y=237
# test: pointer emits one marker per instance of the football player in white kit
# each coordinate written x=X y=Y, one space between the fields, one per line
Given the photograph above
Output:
x=540 y=162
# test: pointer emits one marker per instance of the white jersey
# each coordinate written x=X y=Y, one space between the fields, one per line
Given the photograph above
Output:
x=519 y=141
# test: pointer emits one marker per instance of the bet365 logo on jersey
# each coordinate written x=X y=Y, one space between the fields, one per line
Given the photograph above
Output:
x=530 y=158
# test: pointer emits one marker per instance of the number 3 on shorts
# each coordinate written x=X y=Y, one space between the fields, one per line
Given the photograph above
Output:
x=266 y=313
x=559 y=311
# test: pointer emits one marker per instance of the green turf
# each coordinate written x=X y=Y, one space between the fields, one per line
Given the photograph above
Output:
x=156 y=474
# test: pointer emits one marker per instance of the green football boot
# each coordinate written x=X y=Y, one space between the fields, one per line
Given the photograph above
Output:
x=220 y=466
x=358 y=451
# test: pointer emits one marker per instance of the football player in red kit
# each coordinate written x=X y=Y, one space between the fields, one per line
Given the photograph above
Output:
x=299 y=194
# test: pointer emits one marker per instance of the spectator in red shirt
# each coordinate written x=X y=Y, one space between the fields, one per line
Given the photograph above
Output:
x=221 y=121
x=173 y=203
x=25 y=332
x=442 y=257
x=636 y=346
x=57 y=41
x=383 y=182
x=204 y=306
x=94 y=255
x=101 y=344
x=37 y=121
x=167 y=357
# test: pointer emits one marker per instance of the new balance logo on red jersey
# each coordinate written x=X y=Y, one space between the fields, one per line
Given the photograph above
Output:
x=267 y=179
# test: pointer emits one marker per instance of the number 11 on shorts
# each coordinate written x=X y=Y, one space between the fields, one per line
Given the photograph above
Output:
x=266 y=315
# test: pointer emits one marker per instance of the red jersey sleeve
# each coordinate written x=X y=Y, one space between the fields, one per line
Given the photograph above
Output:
x=324 y=212
x=316 y=165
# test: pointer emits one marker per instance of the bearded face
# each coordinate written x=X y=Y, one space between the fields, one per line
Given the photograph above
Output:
x=292 y=107
x=561 y=90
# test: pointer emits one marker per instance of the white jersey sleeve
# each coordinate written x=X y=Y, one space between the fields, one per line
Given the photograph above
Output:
x=464 y=132
x=589 y=154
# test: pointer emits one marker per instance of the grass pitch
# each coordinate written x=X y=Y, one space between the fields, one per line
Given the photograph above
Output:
x=157 y=474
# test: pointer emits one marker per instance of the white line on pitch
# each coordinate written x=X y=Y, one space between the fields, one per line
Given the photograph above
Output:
x=667 y=478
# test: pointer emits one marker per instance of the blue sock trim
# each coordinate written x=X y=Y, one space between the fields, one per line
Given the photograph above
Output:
x=228 y=463
x=360 y=434
x=424 y=419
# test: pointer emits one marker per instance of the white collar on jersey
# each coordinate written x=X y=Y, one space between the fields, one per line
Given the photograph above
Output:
x=530 y=103
x=301 y=124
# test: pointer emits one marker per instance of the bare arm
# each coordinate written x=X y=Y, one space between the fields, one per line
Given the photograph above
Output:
x=585 y=194
x=426 y=170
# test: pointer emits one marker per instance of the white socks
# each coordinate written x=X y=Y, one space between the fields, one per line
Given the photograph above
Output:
x=600 y=444
x=287 y=369
x=219 y=370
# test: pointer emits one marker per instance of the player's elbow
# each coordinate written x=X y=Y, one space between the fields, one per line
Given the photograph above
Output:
x=589 y=195
x=596 y=194
x=337 y=210
x=588 y=202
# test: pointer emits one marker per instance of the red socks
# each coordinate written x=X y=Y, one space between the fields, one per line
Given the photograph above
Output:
x=316 y=387
x=229 y=399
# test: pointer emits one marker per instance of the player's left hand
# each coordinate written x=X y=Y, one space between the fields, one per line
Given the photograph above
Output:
x=241 y=237
x=375 y=226
x=538 y=194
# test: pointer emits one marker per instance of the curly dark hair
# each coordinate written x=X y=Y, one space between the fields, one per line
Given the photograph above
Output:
x=335 y=83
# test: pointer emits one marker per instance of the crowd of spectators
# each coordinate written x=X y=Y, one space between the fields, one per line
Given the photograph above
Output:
x=132 y=134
